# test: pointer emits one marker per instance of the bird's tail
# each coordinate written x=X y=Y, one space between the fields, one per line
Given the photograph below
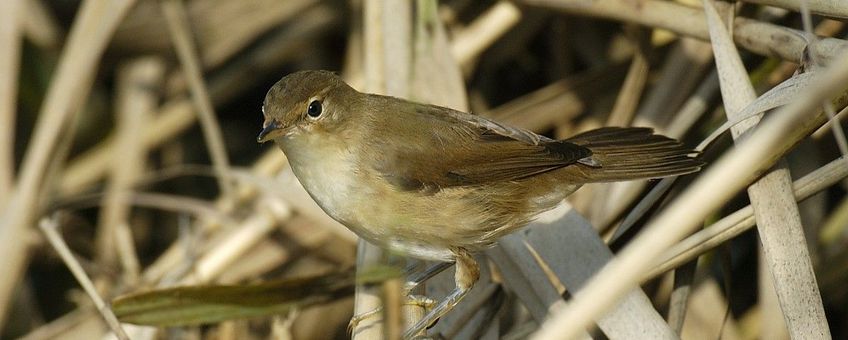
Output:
x=633 y=153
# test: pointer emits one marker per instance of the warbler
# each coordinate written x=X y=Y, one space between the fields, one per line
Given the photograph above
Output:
x=436 y=183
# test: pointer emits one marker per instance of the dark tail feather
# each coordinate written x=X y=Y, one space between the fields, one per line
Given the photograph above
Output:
x=620 y=154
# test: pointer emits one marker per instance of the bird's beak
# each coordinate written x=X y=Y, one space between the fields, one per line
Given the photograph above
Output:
x=271 y=130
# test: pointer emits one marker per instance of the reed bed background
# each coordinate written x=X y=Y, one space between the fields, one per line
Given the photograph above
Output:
x=128 y=163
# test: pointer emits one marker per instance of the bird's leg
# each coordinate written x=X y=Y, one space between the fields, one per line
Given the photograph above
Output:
x=415 y=279
x=356 y=319
x=467 y=273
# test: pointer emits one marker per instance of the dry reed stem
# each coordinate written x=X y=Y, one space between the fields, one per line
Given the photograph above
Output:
x=10 y=55
x=575 y=256
x=135 y=102
x=39 y=25
x=222 y=29
x=777 y=215
x=393 y=317
x=572 y=249
x=172 y=118
x=48 y=226
x=175 y=263
x=727 y=176
x=231 y=35
x=182 y=116
x=758 y=37
x=556 y=102
x=781 y=94
x=322 y=242
x=828 y=8
x=634 y=83
x=679 y=76
x=177 y=115
x=677 y=302
x=436 y=75
x=469 y=43
x=438 y=79
x=166 y=202
x=55 y=328
x=772 y=317
x=694 y=108
x=281 y=326
x=95 y=23
x=524 y=277
x=833 y=228
x=464 y=47
x=838 y=132
x=264 y=257
x=177 y=21
x=743 y=219
x=181 y=204
x=284 y=45
x=171 y=259
x=387 y=29
x=275 y=152
x=706 y=317
x=236 y=243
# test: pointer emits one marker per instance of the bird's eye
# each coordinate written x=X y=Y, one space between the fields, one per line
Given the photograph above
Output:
x=314 y=109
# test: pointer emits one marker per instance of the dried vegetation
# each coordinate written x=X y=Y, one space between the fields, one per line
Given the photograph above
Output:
x=128 y=163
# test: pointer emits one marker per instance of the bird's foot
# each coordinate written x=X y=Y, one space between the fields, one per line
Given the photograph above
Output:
x=411 y=300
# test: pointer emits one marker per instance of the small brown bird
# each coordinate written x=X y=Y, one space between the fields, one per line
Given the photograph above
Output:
x=435 y=183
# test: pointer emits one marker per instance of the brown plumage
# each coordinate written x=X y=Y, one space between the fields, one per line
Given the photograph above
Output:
x=436 y=183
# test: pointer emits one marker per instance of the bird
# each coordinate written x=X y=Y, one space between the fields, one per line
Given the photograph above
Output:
x=439 y=184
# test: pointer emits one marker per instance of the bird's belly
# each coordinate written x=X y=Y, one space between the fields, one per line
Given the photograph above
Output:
x=425 y=226
x=370 y=215
x=422 y=225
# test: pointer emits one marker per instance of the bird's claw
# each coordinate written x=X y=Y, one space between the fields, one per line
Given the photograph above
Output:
x=411 y=300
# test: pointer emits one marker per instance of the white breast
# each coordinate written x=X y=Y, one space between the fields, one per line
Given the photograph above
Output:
x=326 y=174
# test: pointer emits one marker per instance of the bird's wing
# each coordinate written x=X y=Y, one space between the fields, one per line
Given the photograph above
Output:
x=446 y=148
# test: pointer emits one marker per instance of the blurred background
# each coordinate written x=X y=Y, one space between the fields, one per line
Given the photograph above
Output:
x=144 y=158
